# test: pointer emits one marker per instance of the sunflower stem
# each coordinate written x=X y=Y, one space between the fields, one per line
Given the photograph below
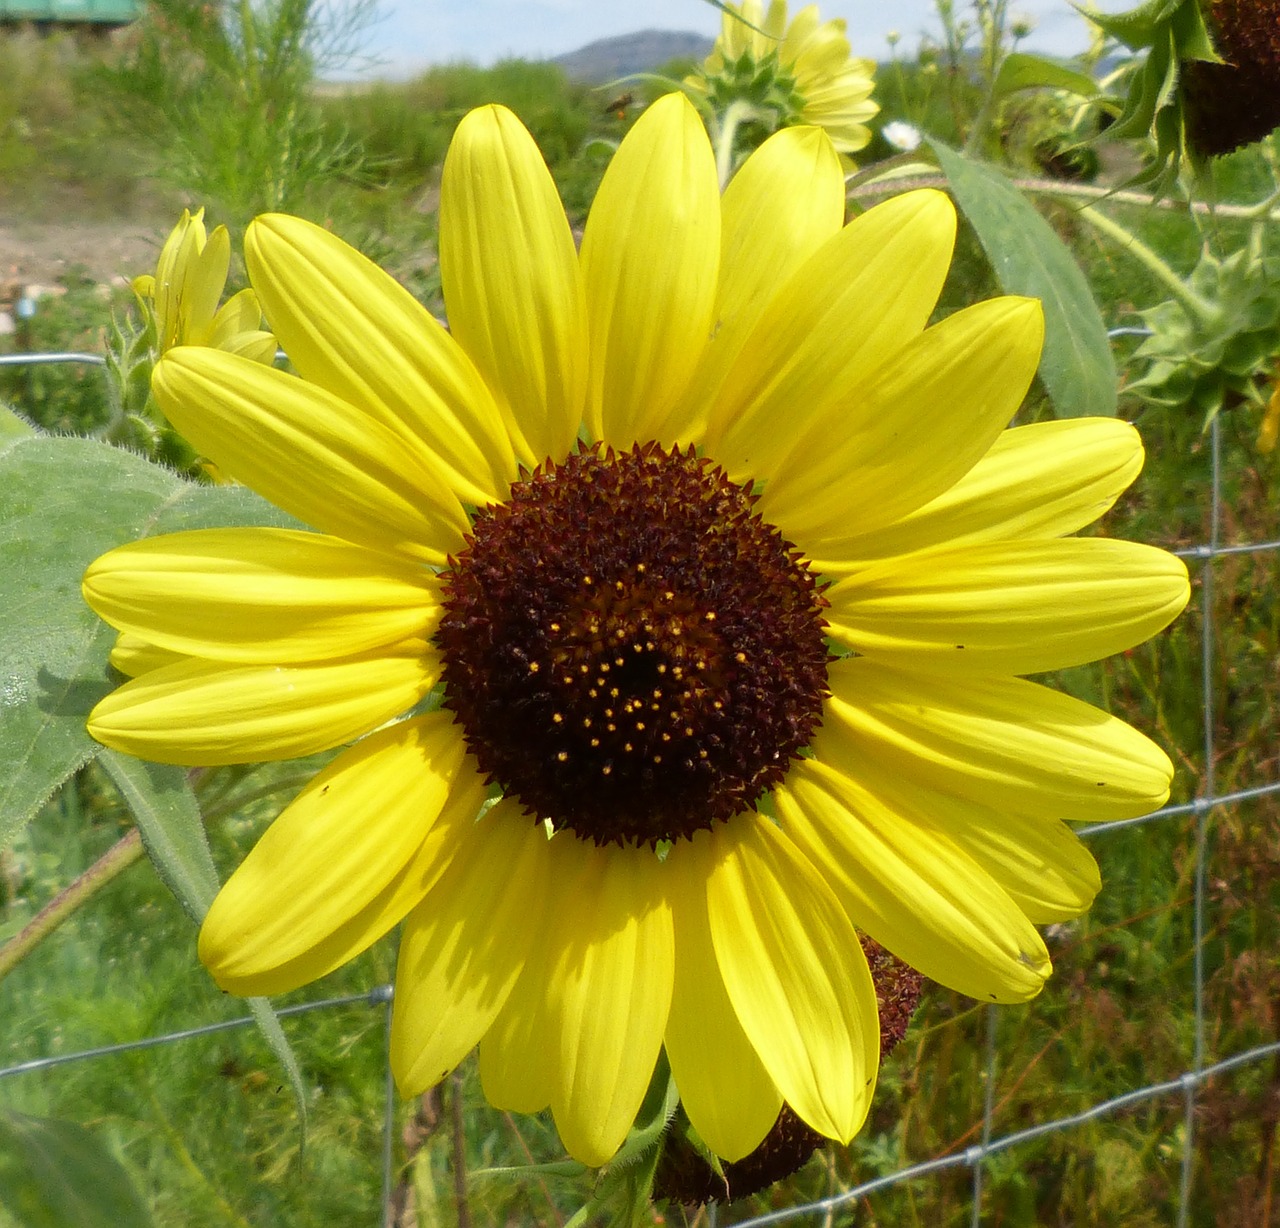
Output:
x=1195 y=306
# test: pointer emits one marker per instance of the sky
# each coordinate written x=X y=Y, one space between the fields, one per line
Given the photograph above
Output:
x=411 y=35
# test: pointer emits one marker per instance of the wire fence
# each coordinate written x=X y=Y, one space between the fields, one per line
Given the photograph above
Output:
x=1188 y=1085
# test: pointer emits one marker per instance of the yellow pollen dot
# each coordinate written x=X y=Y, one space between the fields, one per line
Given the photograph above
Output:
x=617 y=584
x=608 y=767
x=555 y=626
x=619 y=661
x=740 y=657
x=534 y=667
x=567 y=679
x=636 y=648
x=558 y=718
x=628 y=747
x=666 y=737
x=593 y=693
x=710 y=616
x=588 y=580
x=586 y=722
x=668 y=596
x=688 y=731
x=584 y=669
x=640 y=567
x=563 y=756
x=639 y=726
x=717 y=705
x=657 y=694
x=614 y=692
x=595 y=742
x=702 y=754
x=657 y=758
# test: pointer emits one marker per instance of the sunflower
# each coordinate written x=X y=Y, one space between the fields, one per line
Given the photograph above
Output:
x=673 y=604
x=182 y=297
x=800 y=72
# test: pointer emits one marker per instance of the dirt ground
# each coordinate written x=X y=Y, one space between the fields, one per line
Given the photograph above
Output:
x=36 y=251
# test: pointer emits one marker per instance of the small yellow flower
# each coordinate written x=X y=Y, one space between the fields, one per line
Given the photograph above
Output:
x=800 y=73
x=183 y=295
x=716 y=562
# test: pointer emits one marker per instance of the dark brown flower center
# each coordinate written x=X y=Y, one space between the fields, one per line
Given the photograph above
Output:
x=630 y=650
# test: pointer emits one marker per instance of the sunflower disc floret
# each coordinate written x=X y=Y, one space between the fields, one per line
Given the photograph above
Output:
x=632 y=652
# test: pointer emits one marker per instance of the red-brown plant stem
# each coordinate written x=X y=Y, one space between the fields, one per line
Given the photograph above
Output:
x=118 y=858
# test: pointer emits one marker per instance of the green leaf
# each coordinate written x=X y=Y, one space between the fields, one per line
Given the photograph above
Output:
x=1026 y=72
x=13 y=426
x=56 y=1173
x=1077 y=365
x=63 y=502
x=168 y=817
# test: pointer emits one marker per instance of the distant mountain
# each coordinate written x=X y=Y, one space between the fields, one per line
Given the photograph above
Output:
x=643 y=51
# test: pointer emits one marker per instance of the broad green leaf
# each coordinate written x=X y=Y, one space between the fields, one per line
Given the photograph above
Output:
x=63 y=502
x=163 y=805
x=54 y=1174
x=1077 y=366
x=1025 y=72
x=12 y=427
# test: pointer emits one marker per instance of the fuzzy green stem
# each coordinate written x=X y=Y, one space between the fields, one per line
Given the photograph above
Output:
x=734 y=114
x=1191 y=302
x=118 y=858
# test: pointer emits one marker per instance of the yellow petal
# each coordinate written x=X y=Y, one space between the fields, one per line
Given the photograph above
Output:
x=266 y=596
x=206 y=277
x=310 y=454
x=610 y=991
x=132 y=655
x=239 y=314
x=885 y=447
x=464 y=946
x=1009 y=607
x=650 y=257
x=352 y=329
x=515 y=1069
x=201 y=713
x=783 y=203
x=795 y=974
x=914 y=891
x=1043 y=480
x=1041 y=865
x=345 y=861
x=512 y=287
x=1002 y=742
x=723 y=1085
x=518 y=1055
x=845 y=313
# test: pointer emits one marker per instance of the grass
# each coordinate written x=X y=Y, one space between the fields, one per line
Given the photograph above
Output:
x=207 y=1128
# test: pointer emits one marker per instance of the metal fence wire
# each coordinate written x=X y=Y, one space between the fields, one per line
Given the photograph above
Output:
x=1187 y=1086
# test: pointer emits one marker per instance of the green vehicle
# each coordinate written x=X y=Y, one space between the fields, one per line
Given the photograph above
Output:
x=71 y=12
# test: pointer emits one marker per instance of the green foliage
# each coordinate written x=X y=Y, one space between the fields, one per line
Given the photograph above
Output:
x=64 y=397
x=56 y=143
x=55 y=1173
x=405 y=129
x=223 y=95
x=1222 y=356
